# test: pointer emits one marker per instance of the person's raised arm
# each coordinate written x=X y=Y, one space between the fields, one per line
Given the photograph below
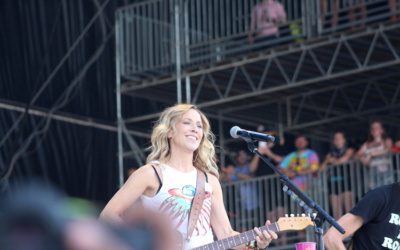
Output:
x=140 y=182
x=333 y=239
x=254 y=163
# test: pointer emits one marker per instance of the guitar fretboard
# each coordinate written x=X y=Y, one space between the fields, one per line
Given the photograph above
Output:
x=237 y=240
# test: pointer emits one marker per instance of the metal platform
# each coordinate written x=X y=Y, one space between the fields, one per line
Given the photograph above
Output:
x=331 y=81
x=313 y=84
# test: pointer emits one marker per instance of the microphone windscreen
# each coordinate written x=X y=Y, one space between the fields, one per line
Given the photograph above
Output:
x=233 y=131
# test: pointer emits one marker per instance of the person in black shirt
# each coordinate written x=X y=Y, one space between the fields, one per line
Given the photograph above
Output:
x=374 y=221
x=339 y=186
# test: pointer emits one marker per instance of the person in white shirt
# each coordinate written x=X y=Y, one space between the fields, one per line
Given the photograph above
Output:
x=181 y=144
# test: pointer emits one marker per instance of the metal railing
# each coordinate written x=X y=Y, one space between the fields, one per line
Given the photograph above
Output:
x=225 y=24
x=208 y=31
x=159 y=36
x=336 y=188
x=352 y=14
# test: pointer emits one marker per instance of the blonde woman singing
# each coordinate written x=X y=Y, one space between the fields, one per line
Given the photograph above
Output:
x=181 y=144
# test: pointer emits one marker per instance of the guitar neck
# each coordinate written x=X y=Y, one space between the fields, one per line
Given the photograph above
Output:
x=239 y=239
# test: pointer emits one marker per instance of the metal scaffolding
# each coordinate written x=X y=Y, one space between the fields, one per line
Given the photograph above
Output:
x=334 y=79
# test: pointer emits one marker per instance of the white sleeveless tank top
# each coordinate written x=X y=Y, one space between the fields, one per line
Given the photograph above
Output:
x=174 y=199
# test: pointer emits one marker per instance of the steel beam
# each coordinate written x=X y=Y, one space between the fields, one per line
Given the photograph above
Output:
x=64 y=117
x=330 y=40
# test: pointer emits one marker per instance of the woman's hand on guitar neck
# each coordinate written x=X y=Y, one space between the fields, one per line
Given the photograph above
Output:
x=265 y=237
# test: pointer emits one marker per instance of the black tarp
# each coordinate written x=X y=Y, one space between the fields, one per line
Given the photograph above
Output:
x=67 y=48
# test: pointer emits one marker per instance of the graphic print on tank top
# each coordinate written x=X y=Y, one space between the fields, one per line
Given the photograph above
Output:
x=178 y=204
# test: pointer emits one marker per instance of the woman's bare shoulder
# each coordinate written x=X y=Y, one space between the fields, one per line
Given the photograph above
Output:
x=144 y=173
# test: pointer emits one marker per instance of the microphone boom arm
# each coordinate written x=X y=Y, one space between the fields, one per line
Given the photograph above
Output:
x=307 y=202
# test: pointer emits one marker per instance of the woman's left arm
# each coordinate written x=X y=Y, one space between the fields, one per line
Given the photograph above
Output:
x=346 y=157
x=388 y=143
x=220 y=221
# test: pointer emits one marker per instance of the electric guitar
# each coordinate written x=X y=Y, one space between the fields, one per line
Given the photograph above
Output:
x=283 y=224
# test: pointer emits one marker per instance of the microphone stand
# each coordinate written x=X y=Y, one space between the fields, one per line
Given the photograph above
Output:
x=301 y=198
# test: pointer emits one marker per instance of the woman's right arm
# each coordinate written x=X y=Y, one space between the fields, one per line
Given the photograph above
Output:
x=326 y=162
x=362 y=156
x=142 y=181
x=361 y=151
x=388 y=143
x=346 y=157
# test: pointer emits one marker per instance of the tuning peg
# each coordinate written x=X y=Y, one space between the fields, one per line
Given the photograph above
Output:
x=303 y=215
x=297 y=215
x=291 y=215
x=286 y=215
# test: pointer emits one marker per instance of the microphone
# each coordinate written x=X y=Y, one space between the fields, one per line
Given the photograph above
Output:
x=237 y=132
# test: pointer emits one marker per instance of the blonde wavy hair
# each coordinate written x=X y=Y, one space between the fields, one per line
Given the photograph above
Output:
x=203 y=157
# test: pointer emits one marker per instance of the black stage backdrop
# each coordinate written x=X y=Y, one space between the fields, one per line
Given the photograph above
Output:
x=63 y=50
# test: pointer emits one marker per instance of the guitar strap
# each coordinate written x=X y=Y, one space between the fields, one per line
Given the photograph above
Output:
x=197 y=202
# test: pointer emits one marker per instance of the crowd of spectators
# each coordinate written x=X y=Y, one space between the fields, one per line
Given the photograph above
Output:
x=373 y=157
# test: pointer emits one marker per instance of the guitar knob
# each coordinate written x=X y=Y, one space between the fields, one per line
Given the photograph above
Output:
x=297 y=215
x=291 y=215
x=303 y=215
x=286 y=215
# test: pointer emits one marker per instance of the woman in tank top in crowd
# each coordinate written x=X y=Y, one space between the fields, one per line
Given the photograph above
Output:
x=339 y=174
x=374 y=154
x=181 y=144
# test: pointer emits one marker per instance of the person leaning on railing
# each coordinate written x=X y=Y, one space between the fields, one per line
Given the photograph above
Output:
x=339 y=186
x=301 y=163
x=374 y=154
x=357 y=5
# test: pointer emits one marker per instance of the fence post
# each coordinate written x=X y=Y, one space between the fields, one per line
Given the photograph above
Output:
x=310 y=18
x=178 y=53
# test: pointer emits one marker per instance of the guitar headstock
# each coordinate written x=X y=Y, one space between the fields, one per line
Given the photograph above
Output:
x=294 y=222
